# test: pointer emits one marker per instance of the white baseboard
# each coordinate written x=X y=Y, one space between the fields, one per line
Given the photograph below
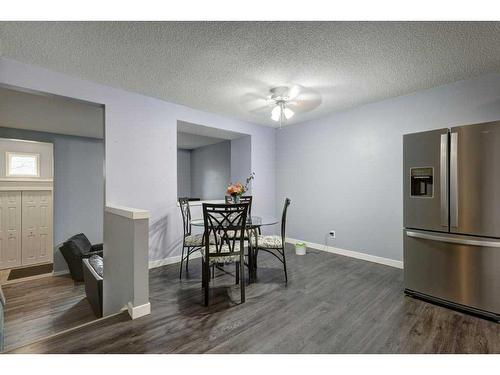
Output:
x=171 y=260
x=350 y=253
x=138 y=311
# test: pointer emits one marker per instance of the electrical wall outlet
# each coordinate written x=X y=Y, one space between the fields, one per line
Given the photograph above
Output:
x=332 y=234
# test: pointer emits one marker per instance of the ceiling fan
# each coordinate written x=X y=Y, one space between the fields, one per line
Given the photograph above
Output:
x=283 y=102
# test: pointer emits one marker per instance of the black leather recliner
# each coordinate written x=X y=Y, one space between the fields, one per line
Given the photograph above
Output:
x=92 y=273
x=74 y=250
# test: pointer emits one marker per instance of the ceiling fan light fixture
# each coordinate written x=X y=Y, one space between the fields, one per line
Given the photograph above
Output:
x=283 y=102
x=276 y=113
x=288 y=113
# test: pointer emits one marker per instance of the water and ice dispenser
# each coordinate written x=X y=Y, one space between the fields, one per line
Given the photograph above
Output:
x=422 y=182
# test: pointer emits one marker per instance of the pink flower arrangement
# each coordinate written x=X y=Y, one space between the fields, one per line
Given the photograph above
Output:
x=238 y=188
x=235 y=189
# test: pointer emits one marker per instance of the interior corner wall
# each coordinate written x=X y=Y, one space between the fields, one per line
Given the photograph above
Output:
x=344 y=171
x=78 y=186
x=241 y=159
x=210 y=170
x=141 y=146
x=183 y=173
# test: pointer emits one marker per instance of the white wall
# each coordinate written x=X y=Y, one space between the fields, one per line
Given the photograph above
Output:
x=183 y=173
x=210 y=170
x=344 y=171
x=141 y=148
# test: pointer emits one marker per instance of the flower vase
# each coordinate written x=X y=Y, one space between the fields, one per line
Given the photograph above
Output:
x=235 y=199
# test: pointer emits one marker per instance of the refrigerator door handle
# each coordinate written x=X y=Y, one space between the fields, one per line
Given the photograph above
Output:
x=444 y=179
x=459 y=241
x=454 y=180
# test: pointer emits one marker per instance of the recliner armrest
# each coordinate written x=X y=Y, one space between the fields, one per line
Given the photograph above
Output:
x=97 y=247
x=89 y=254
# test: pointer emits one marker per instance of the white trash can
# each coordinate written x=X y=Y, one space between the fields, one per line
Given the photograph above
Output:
x=300 y=248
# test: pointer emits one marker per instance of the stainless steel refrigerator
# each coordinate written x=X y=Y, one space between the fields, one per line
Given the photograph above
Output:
x=452 y=217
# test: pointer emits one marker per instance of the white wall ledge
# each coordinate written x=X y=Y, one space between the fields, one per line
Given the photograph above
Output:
x=128 y=212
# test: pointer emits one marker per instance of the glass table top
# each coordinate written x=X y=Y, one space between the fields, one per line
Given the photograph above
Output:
x=256 y=221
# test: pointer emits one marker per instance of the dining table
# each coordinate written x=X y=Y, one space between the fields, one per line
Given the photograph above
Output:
x=252 y=226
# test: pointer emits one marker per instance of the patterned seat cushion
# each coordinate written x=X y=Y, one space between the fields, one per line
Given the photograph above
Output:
x=222 y=257
x=232 y=233
x=269 y=242
x=196 y=240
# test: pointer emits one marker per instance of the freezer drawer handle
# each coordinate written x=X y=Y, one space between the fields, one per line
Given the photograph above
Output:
x=459 y=241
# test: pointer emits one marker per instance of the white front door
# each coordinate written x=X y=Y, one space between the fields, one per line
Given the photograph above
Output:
x=37 y=227
x=10 y=229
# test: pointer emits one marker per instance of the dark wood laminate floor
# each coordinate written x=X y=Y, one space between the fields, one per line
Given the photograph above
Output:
x=41 y=307
x=332 y=304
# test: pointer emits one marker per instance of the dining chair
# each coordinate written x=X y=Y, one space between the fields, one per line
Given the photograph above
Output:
x=219 y=219
x=243 y=199
x=247 y=199
x=190 y=242
x=273 y=244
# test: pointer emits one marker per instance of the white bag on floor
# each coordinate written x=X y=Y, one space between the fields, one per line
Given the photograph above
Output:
x=300 y=248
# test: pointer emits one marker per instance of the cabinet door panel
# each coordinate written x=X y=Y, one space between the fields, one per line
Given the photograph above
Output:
x=37 y=227
x=10 y=229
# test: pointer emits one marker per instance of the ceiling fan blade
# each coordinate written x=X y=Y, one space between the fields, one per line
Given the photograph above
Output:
x=262 y=110
x=296 y=98
x=255 y=103
x=308 y=95
x=293 y=92
x=300 y=105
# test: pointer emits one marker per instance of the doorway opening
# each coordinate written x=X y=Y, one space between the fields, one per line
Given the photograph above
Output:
x=52 y=201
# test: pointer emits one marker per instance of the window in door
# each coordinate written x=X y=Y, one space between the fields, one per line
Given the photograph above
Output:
x=22 y=164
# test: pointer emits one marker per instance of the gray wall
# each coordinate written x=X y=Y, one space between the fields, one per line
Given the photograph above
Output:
x=241 y=159
x=183 y=173
x=141 y=149
x=240 y=167
x=51 y=114
x=126 y=262
x=210 y=170
x=344 y=172
x=78 y=185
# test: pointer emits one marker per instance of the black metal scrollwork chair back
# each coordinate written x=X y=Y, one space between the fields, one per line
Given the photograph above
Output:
x=190 y=242
x=219 y=220
x=243 y=199
x=274 y=244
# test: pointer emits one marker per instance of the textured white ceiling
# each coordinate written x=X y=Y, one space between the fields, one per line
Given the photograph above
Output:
x=213 y=66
